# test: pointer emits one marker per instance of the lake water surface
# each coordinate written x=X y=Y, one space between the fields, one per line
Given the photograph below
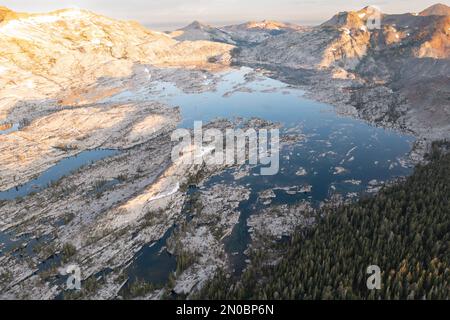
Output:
x=340 y=155
x=56 y=172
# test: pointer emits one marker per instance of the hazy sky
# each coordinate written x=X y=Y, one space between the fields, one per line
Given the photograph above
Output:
x=174 y=13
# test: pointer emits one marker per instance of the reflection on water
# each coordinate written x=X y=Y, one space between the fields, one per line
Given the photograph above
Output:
x=153 y=263
x=340 y=155
x=8 y=128
x=56 y=172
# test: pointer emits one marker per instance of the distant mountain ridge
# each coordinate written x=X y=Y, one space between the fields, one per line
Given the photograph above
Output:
x=353 y=19
x=438 y=9
x=395 y=72
x=406 y=59
x=7 y=14
x=201 y=31
x=248 y=33
x=405 y=63
x=265 y=25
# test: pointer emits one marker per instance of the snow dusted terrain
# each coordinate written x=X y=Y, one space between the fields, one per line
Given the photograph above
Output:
x=65 y=81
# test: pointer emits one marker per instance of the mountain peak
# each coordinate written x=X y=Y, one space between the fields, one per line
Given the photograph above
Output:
x=2 y=8
x=6 y=14
x=350 y=20
x=369 y=10
x=353 y=19
x=438 y=9
x=265 y=24
x=268 y=25
x=195 y=25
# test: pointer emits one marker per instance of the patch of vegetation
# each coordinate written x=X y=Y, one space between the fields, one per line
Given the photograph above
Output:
x=184 y=261
x=44 y=250
x=194 y=179
x=100 y=184
x=66 y=147
x=6 y=277
x=405 y=230
x=68 y=251
x=122 y=177
x=139 y=288
x=24 y=123
x=437 y=148
x=68 y=217
x=49 y=273
x=88 y=287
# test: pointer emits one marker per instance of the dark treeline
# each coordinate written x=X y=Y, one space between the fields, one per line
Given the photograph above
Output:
x=405 y=230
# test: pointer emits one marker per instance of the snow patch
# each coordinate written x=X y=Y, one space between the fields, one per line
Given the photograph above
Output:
x=301 y=172
x=3 y=70
x=339 y=170
x=166 y=194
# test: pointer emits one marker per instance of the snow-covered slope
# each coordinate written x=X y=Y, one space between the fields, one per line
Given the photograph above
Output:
x=53 y=54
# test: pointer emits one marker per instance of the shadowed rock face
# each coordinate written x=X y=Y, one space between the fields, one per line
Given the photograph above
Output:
x=408 y=55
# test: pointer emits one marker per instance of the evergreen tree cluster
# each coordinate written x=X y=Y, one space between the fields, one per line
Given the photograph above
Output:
x=404 y=229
